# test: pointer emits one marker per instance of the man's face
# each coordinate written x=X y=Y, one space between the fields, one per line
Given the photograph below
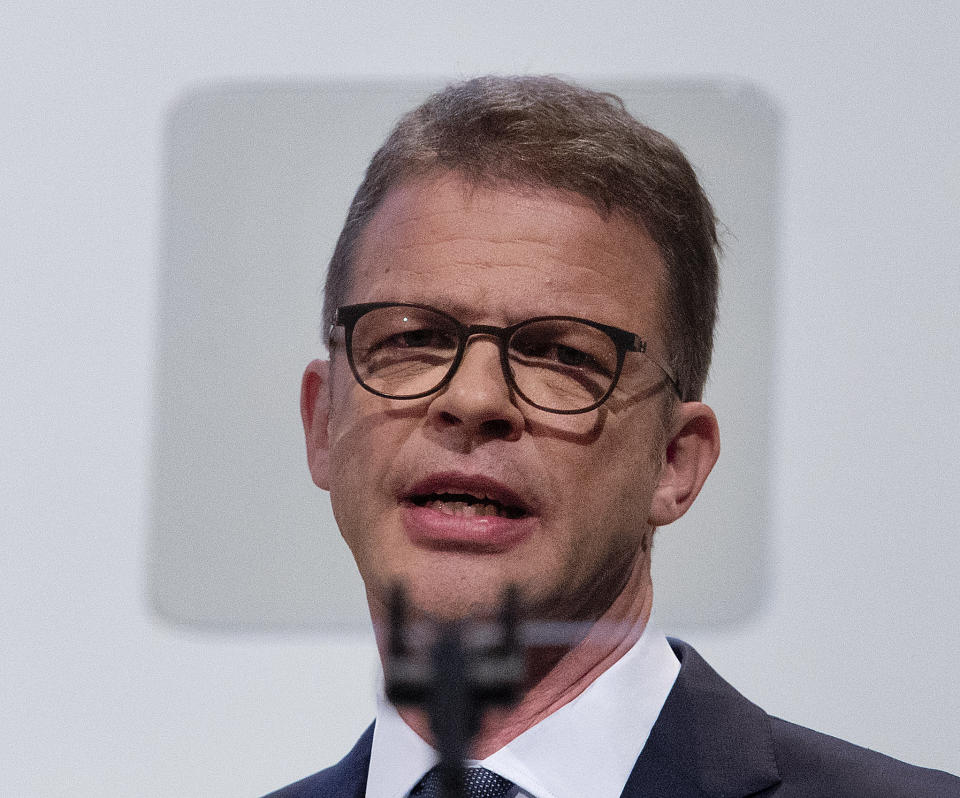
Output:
x=562 y=503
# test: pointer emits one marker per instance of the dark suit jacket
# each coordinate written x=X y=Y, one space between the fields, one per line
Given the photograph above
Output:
x=711 y=742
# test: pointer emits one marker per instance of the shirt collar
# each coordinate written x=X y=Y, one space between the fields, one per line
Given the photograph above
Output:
x=605 y=727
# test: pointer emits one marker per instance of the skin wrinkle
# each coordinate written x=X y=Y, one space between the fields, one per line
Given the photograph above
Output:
x=563 y=243
x=407 y=287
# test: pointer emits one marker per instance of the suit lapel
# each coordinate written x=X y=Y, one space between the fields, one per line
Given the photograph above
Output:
x=348 y=778
x=709 y=741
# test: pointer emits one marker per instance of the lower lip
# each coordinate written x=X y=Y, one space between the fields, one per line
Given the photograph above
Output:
x=481 y=533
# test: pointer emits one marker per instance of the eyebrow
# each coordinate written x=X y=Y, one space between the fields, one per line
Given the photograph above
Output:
x=464 y=311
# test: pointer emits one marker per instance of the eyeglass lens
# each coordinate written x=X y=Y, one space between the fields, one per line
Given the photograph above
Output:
x=403 y=351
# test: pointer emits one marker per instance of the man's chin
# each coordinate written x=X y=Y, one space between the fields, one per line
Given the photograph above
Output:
x=434 y=604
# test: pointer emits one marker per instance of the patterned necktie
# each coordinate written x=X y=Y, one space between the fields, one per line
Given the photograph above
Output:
x=477 y=783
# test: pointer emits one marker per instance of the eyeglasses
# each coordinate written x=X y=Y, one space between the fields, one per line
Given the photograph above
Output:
x=560 y=364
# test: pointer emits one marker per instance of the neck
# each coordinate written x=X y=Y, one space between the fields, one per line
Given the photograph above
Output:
x=558 y=674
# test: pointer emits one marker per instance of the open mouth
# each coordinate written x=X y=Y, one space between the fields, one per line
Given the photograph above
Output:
x=466 y=505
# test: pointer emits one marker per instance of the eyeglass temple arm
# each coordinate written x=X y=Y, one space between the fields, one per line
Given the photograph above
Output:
x=637 y=344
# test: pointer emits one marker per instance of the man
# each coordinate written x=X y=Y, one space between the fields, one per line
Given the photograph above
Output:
x=521 y=310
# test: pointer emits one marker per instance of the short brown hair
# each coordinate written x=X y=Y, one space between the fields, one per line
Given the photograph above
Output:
x=545 y=132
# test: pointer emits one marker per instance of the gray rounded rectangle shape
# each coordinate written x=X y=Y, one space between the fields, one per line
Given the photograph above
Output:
x=257 y=181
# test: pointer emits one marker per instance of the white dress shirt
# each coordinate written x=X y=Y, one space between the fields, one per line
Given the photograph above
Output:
x=588 y=747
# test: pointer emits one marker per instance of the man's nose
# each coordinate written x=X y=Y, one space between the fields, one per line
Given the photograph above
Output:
x=477 y=403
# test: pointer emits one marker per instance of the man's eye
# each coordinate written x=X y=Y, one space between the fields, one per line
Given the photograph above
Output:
x=426 y=337
x=569 y=356
x=557 y=354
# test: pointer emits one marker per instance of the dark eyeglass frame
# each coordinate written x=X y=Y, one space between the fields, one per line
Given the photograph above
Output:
x=347 y=316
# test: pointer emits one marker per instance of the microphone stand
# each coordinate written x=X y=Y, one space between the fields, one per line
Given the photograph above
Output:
x=455 y=677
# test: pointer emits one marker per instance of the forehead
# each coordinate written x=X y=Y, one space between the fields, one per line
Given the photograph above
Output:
x=507 y=253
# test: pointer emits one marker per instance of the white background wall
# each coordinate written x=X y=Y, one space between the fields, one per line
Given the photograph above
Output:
x=859 y=637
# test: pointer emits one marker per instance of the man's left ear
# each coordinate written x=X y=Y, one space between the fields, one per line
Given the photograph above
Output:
x=692 y=449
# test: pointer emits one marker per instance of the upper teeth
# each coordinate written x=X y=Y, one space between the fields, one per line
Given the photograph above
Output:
x=466 y=508
x=466 y=504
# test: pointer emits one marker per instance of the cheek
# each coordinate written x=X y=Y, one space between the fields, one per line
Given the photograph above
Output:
x=358 y=505
x=368 y=441
x=358 y=458
x=357 y=451
x=352 y=423
x=613 y=486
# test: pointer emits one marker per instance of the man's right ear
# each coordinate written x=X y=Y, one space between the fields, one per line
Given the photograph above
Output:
x=315 y=412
